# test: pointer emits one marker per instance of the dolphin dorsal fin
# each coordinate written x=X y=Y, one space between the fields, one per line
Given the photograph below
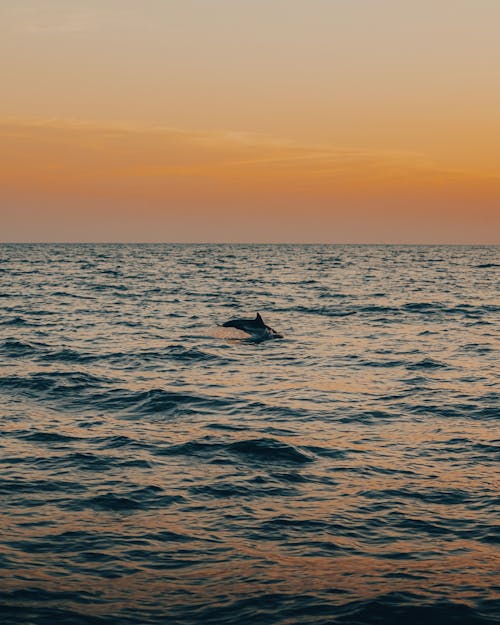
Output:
x=259 y=320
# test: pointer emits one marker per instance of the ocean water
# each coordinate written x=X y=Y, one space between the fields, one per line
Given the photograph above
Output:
x=156 y=469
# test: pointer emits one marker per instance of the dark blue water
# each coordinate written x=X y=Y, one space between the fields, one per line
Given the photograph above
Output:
x=154 y=469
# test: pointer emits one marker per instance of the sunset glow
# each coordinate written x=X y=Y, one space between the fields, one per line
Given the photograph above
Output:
x=263 y=121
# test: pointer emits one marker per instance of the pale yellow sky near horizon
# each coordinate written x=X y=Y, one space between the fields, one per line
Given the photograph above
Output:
x=318 y=120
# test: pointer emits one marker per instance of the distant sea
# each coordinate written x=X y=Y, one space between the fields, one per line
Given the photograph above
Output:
x=155 y=469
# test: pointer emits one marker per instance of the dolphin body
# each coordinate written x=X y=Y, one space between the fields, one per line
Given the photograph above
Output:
x=256 y=328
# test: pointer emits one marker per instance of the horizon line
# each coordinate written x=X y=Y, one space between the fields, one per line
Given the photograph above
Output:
x=365 y=243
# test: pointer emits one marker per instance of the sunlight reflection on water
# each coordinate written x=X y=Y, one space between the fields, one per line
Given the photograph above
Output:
x=157 y=467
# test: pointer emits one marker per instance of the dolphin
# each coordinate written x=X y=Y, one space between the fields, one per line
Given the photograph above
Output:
x=256 y=328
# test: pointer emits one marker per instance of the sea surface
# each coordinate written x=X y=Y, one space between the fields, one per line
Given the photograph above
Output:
x=156 y=468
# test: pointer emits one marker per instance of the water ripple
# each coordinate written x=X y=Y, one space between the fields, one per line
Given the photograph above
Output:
x=154 y=470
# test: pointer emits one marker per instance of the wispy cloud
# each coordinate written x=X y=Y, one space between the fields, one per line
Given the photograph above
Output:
x=62 y=178
x=156 y=161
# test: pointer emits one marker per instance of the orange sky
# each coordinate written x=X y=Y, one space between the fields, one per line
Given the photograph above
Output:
x=281 y=120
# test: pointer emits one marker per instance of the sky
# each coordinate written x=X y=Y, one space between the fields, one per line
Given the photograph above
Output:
x=338 y=121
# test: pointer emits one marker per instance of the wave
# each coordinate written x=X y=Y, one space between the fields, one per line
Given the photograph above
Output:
x=324 y=608
x=412 y=609
x=433 y=309
x=16 y=486
x=426 y=363
x=383 y=363
x=18 y=320
x=176 y=353
x=180 y=353
x=323 y=311
x=44 y=353
x=42 y=607
x=14 y=348
x=255 y=450
x=156 y=401
x=84 y=391
x=143 y=498
x=250 y=489
x=48 y=437
x=450 y=496
x=270 y=450
x=60 y=383
x=68 y=355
